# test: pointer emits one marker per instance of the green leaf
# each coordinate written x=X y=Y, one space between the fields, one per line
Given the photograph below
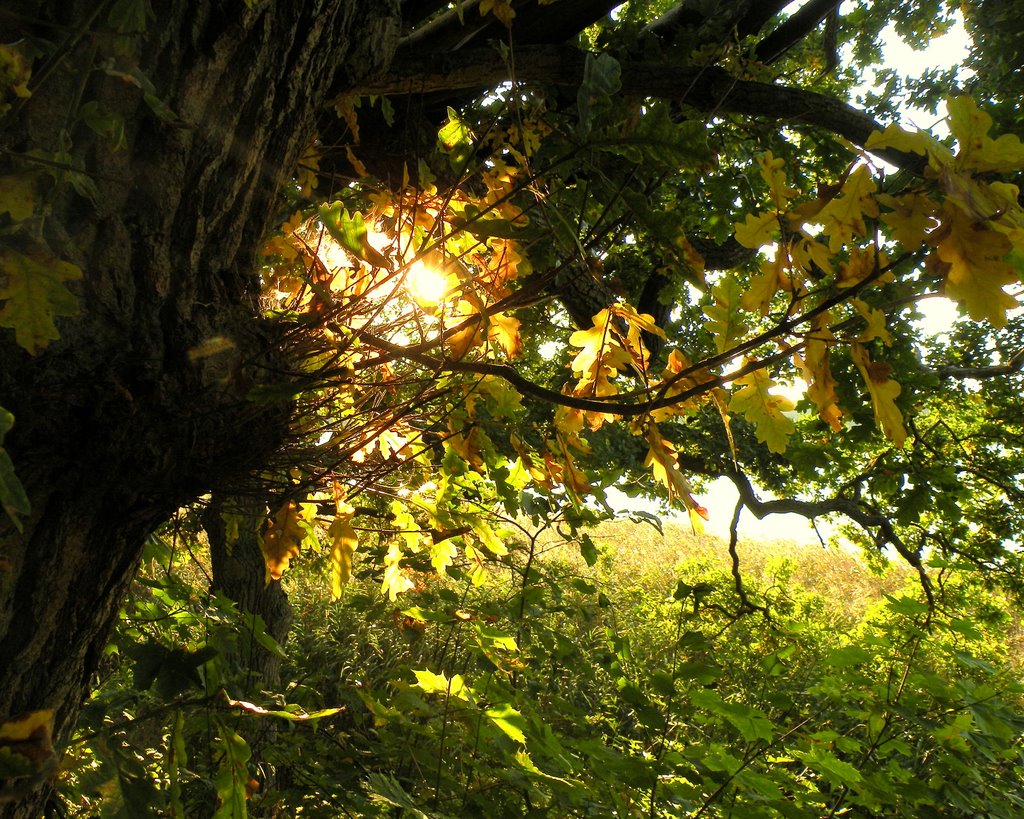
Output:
x=750 y=722
x=602 y=77
x=834 y=770
x=232 y=775
x=34 y=291
x=508 y=720
x=350 y=232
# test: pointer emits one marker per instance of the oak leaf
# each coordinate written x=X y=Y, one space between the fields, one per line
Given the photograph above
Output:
x=883 y=391
x=34 y=292
x=764 y=409
x=976 y=271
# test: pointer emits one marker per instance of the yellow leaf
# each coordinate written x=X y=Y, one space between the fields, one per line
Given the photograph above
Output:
x=821 y=386
x=843 y=218
x=755 y=231
x=858 y=267
x=502 y=9
x=396 y=581
x=911 y=217
x=977 y=273
x=18 y=195
x=344 y=541
x=917 y=142
x=764 y=409
x=808 y=254
x=281 y=540
x=977 y=150
x=773 y=174
x=876 y=327
x=725 y=321
x=883 y=391
x=34 y=290
x=600 y=358
x=664 y=464
x=504 y=330
x=763 y=287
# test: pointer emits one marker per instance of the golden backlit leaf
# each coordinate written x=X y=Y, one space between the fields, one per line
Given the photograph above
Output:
x=344 y=542
x=911 y=218
x=843 y=218
x=504 y=331
x=821 y=385
x=883 y=391
x=977 y=273
x=756 y=230
x=282 y=538
x=977 y=151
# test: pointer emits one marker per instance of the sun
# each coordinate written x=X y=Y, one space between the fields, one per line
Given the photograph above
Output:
x=427 y=286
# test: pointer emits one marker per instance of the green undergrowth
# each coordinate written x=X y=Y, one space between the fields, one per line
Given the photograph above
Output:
x=611 y=672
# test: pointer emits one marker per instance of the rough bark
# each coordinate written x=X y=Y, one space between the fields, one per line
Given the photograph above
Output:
x=116 y=425
x=239 y=572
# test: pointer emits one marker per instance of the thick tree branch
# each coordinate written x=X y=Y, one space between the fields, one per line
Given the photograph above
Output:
x=710 y=89
x=1014 y=364
x=860 y=514
x=787 y=35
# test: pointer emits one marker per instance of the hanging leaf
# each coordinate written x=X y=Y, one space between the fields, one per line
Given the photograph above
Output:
x=34 y=292
x=232 y=780
x=976 y=271
x=343 y=546
x=883 y=391
x=282 y=538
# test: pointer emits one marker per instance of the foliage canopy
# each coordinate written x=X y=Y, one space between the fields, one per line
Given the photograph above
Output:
x=556 y=247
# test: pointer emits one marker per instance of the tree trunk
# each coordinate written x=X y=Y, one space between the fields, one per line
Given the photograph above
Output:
x=116 y=424
x=240 y=573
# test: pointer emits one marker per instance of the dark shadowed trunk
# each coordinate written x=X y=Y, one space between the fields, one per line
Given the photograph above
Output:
x=240 y=573
x=116 y=423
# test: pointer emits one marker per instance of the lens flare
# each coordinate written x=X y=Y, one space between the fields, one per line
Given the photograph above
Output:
x=426 y=286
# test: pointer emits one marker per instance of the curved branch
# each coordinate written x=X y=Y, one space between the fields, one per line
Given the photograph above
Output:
x=863 y=516
x=708 y=89
x=1015 y=364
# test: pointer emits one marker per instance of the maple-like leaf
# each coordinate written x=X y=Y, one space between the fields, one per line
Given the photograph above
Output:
x=764 y=409
x=34 y=294
x=504 y=330
x=977 y=273
x=883 y=391
x=282 y=538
